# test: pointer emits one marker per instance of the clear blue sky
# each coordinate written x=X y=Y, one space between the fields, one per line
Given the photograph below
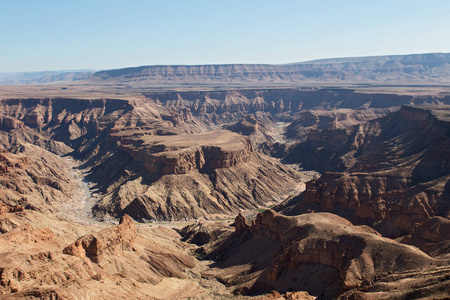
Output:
x=107 y=34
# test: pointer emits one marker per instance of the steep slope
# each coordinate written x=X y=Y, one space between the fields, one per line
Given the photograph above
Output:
x=194 y=175
x=221 y=107
x=35 y=179
x=429 y=283
x=341 y=118
x=432 y=237
x=147 y=161
x=110 y=137
x=320 y=253
x=394 y=172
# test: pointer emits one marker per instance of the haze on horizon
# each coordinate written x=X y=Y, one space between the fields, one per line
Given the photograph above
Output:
x=100 y=34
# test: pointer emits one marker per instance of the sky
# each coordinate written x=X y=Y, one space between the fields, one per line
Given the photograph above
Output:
x=108 y=34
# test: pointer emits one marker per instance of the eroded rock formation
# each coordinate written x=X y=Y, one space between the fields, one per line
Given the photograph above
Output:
x=114 y=262
x=111 y=240
x=179 y=154
x=394 y=170
x=307 y=253
x=34 y=179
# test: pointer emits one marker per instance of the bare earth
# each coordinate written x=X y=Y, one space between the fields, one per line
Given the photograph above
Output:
x=112 y=190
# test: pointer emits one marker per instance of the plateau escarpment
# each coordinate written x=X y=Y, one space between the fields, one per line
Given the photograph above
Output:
x=392 y=69
x=431 y=67
x=391 y=173
x=195 y=175
x=179 y=154
x=342 y=118
x=307 y=109
x=228 y=106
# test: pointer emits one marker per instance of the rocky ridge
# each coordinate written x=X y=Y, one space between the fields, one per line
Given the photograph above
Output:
x=393 y=170
x=34 y=179
x=306 y=253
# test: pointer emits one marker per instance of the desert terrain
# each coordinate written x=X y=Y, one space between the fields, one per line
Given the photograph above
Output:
x=297 y=181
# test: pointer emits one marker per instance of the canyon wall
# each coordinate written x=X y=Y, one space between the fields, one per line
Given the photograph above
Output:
x=391 y=173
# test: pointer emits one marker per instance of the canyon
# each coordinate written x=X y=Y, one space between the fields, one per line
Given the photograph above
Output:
x=113 y=189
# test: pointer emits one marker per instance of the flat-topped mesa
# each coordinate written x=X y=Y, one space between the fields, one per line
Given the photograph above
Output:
x=179 y=154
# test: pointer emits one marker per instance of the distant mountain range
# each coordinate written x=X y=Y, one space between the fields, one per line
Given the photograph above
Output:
x=43 y=77
x=432 y=68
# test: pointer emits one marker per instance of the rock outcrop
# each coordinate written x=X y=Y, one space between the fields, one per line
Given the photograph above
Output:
x=320 y=253
x=179 y=154
x=7 y=208
x=115 y=262
x=394 y=170
x=111 y=240
x=34 y=179
x=240 y=223
x=201 y=233
x=432 y=237
x=246 y=126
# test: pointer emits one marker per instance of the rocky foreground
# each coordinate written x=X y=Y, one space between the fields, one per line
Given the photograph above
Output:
x=44 y=257
x=322 y=254
x=301 y=257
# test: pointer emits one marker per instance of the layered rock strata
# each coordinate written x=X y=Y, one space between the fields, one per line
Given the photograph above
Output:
x=394 y=170
x=430 y=67
x=179 y=154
